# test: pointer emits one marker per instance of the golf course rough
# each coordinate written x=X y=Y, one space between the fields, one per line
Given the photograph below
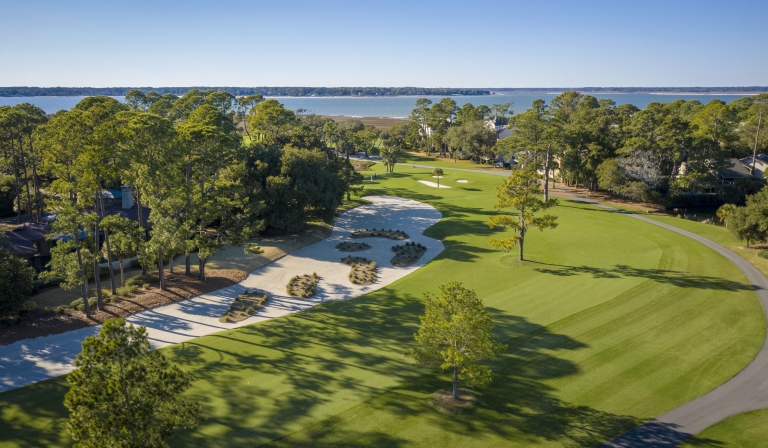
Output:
x=612 y=321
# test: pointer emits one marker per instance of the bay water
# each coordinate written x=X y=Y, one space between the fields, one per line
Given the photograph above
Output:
x=398 y=106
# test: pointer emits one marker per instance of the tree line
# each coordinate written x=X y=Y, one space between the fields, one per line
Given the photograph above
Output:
x=242 y=91
x=668 y=153
x=205 y=169
x=743 y=89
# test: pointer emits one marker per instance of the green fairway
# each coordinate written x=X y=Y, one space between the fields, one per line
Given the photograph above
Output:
x=422 y=159
x=747 y=430
x=611 y=322
x=720 y=235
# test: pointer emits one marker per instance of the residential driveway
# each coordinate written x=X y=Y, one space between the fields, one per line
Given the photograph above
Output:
x=33 y=360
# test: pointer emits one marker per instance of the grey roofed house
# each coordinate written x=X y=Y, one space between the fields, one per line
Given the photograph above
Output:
x=761 y=164
x=28 y=241
x=737 y=170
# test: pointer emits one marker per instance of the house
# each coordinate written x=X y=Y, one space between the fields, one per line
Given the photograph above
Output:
x=504 y=162
x=499 y=127
x=28 y=240
x=738 y=169
x=760 y=162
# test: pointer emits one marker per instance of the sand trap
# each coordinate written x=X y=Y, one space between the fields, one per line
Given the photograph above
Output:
x=32 y=360
x=432 y=184
x=437 y=177
x=462 y=181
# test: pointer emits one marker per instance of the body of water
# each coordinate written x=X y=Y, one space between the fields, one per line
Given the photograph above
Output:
x=399 y=106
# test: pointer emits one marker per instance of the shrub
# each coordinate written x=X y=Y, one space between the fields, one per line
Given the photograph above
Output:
x=764 y=254
x=43 y=283
x=127 y=290
x=62 y=310
x=78 y=305
x=141 y=280
x=15 y=284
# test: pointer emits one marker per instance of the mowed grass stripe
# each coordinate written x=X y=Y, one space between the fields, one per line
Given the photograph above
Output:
x=584 y=333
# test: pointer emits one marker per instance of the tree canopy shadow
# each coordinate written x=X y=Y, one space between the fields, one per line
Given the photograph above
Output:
x=675 y=278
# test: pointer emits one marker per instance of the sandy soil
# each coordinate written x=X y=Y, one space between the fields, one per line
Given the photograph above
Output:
x=179 y=287
x=226 y=268
x=433 y=184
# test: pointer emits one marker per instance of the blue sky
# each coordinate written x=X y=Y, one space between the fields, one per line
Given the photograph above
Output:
x=383 y=43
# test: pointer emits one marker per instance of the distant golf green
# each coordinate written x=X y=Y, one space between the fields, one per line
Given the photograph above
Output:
x=611 y=322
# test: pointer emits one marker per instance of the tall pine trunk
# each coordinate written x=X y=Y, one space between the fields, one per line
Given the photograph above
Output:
x=96 y=257
x=109 y=253
x=160 y=268
x=521 y=242
x=26 y=179
x=17 y=183
x=140 y=214
x=187 y=180
x=757 y=136
x=36 y=182
x=546 y=174
x=84 y=286
x=201 y=267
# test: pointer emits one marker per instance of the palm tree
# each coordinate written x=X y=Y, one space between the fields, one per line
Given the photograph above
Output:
x=438 y=173
x=725 y=212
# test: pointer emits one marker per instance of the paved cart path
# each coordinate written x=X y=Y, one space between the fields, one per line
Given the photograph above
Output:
x=746 y=391
x=33 y=360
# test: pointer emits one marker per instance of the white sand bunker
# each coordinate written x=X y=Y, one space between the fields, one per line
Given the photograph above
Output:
x=32 y=360
x=432 y=184
x=437 y=177
x=462 y=181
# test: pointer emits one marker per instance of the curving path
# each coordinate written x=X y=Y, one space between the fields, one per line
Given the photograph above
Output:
x=33 y=360
x=746 y=391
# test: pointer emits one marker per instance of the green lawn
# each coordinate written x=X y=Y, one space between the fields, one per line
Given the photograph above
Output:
x=720 y=235
x=613 y=321
x=747 y=430
x=423 y=159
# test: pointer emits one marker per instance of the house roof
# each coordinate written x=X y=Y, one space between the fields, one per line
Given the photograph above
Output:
x=22 y=238
x=130 y=213
x=112 y=194
x=19 y=246
x=738 y=169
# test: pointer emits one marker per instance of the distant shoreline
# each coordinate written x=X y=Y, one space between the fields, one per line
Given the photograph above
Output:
x=377 y=92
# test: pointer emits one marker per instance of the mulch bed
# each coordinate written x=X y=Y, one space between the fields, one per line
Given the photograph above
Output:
x=179 y=287
x=362 y=270
x=444 y=403
x=352 y=247
x=303 y=286
x=407 y=255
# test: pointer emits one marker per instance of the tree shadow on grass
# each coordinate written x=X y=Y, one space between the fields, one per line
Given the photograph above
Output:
x=260 y=382
x=518 y=405
x=674 y=278
x=655 y=434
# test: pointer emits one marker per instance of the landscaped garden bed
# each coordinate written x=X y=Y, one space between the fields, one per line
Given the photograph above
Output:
x=352 y=247
x=407 y=254
x=245 y=305
x=362 y=270
x=391 y=234
x=303 y=286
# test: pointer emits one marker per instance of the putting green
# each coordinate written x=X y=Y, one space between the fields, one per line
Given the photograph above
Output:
x=612 y=321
